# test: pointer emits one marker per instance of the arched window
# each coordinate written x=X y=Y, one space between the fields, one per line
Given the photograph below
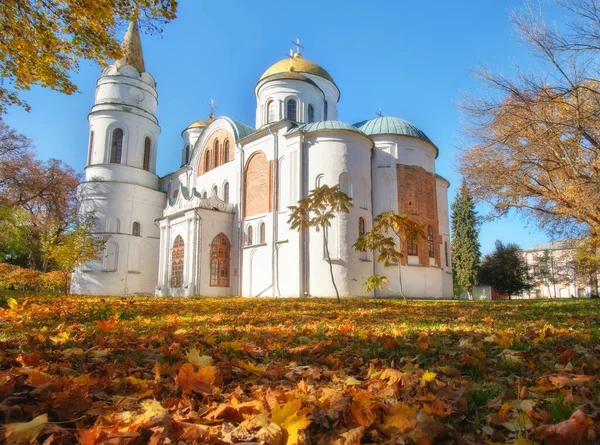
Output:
x=291 y=110
x=219 y=261
x=135 y=229
x=412 y=245
x=204 y=194
x=207 y=161
x=91 y=149
x=311 y=113
x=446 y=254
x=325 y=111
x=110 y=261
x=271 y=112
x=217 y=153
x=226 y=152
x=345 y=185
x=215 y=191
x=430 y=244
x=249 y=236
x=116 y=146
x=262 y=235
x=226 y=192
x=177 y=258
x=113 y=225
x=146 y=164
x=361 y=226
x=187 y=154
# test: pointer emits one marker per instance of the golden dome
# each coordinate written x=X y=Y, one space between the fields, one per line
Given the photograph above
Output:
x=201 y=123
x=298 y=65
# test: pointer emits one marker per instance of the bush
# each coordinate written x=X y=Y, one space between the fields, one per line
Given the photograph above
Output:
x=53 y=281
x=17 y=278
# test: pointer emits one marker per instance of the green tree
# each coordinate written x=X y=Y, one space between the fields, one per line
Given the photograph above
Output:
x=42 y=42
x=317 y=210
x=75 y=248
x=466 y=254
x=505 y=270
x=544 y=273
x=13 y=236
x=387 y=238
x=587 y=263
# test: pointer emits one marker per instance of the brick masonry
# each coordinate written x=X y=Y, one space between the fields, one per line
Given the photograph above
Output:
x=220 y=136
x=418 y=199
x=258 y=180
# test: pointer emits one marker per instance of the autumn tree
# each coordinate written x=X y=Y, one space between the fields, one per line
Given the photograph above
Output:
x=587 y=263
x=505 y=269
x=387 y=239
x=70 y=250
x=534 y=139
x=544 y=273
x=41 y=43
x=466 y=254
x=317 y=210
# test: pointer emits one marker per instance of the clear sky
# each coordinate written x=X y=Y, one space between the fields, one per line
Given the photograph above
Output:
x=411 y=59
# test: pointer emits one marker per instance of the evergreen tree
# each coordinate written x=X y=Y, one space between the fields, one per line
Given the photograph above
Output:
x=465 y=241
x=505 y=270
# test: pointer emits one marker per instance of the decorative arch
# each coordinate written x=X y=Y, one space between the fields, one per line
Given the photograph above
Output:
x=226 y=151
x=257 y=185
x=220 y=252
x=207 y=161
x=345 y=184
x=215 y=191
x=216 y=151
x=262 y=236
x=226 y=192
x=116 y=146
x=363 y=198
x=91 y=148
x=249 y=236
x=113 y=225
x=147 y=148
x=110 y=260
x=177 y=261
x=271 y=115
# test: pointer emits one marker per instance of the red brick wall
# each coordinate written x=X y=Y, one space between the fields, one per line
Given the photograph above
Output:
x=258 y=185
x=221 y=136
x=417 y=198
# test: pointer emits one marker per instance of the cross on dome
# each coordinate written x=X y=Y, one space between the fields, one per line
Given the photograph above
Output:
x=212 y=109
x=298 y=46
x=379 y=113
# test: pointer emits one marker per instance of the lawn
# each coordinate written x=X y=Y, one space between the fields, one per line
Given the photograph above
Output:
x=287 y=371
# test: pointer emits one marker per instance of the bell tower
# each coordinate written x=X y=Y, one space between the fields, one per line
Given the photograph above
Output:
x=121 y=187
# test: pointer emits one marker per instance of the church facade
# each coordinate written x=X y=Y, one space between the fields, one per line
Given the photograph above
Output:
x=218 y=226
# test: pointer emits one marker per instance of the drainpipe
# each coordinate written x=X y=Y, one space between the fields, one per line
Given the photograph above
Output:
x=301 y=233
x=275 y=212
x=372 y=213
x=240 y=221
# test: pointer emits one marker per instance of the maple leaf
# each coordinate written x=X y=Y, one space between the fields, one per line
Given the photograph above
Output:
x=185 y=377
x=392 y=375
x=201 y=361
x=25 y=432
x=287 y=418
x=107 y=325
x=427 y=377
x=400 y=417
x=573 y=430
x=423 y=341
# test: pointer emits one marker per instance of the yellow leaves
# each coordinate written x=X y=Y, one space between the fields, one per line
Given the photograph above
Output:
x=25 y=432
x=401 y=417
x=234 y=345
x=188 y=379
x=290 y=419
x=392 y=375
x=427 y=377
x=108 y=325
x=423 y=341
x=201 y=361
x=250 y=367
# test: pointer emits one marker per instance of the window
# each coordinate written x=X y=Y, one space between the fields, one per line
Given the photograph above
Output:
x=430 y=245
x=116 y=146
x=446 y=254
x=311 y=113
x=361 y=226
x=226 y=152
x=271 y=112
x=217 y=153
x=412 y=246
x=146 y=164
x=187 y=154
x=325 y=111
x=249 y=236
x=215 y=191
x=204 y=194
x=291 y=110
x=219 y=261
x=91 y=149
x=177 y=257
x=135 y=229
x=226 y=192
x=207 y=161
x=261 y=231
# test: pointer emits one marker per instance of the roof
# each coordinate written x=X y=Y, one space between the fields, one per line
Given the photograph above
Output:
x=239 y=130
x=391 y=125
x=326 y=126
x=299 y=65
x=562 y=244
x=203 y=123
x=132 y=49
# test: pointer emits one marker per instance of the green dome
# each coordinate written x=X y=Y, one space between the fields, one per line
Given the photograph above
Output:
x=325 y=126
x=391 y=125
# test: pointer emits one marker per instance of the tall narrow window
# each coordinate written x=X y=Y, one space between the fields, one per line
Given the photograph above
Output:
x=261 y=229
x=291 y=109
x=217 y=153
x=116 y=146
x=325 y=111
x=91 y=148
x=412 y=245
x=220 y=249
x=177 y=258
x=207 y=161
x=271 y=112
x=226 y=192
x=187 y=154
x=215 y=191
x=446 y=254
x=311 y=113
x=135 y=229
x=249 y=236
x=361 y=226
x=430 y=244
x=146 y=164
x=204 y=194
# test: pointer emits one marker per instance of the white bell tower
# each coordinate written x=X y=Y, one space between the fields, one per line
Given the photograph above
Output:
x=121 y=187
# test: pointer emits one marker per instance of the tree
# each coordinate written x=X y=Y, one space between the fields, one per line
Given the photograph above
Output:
x=543 y=271
x=505 y=270
x=388 y=238
x=534 y=140
x=42 y=42
x=317 y=210
x=74 y=248
x=587 y=263
x=466 y=255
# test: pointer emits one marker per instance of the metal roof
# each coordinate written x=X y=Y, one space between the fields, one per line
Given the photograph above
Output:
x=391 y=125
x=326 y=126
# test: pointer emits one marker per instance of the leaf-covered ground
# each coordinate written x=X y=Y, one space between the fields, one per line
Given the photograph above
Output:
x=306 y=371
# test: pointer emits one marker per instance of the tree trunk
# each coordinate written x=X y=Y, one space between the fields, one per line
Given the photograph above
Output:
x=400 y=282
x=594 y=286
x=326 y=242
x=470 y=293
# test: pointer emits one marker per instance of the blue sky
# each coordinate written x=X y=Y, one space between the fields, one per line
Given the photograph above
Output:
x=411 y=59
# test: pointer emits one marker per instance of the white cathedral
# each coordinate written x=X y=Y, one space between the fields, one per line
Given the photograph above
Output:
x=218 y=226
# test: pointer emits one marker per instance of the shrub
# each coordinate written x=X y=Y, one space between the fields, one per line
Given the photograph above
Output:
x=53 y=281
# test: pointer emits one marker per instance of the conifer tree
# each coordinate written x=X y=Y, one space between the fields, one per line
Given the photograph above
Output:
x=465 y=241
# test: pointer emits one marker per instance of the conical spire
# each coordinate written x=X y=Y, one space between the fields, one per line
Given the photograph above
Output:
x=132 y=48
